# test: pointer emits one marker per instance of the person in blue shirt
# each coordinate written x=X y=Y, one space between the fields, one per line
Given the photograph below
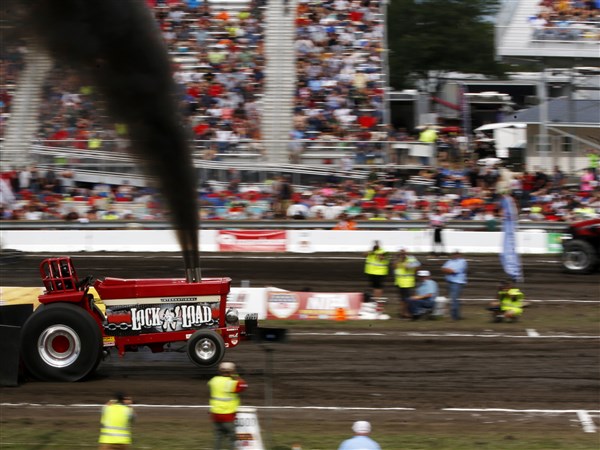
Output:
x=361 y=439
x=456 y=278
x=426 y=292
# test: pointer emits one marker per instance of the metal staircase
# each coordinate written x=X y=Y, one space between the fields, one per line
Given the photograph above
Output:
x=280 y=71
x=23 y=121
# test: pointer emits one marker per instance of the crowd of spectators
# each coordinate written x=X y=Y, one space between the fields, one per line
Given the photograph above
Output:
x=339 y=95
x=567 y=20
x=218 y=64
x=455 y=191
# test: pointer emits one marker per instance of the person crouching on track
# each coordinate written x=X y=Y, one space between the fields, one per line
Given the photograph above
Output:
x=423 y=302
x=115 y=423
x=509 y=304
x=224 y=403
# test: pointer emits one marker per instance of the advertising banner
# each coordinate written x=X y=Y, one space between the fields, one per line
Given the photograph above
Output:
x=313 y=305
x=511 y=262
x=555 y=243
x=248 y=301
x=252 y=241
x=247 y=429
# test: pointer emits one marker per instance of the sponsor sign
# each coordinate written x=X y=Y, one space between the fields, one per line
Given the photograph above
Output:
x=511 y=262
x=312 y=305
x=248 y=301
x=252 y=241
x=247 y=429
x=160 y=318
x=555 y=242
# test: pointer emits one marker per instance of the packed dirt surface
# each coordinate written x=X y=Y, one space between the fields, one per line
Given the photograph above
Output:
x=397 y=364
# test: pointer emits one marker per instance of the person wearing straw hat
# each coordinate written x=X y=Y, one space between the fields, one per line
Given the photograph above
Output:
x=361 y=439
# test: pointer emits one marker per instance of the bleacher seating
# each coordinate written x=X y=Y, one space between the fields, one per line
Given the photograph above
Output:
x=340 y=76
x=216 y=49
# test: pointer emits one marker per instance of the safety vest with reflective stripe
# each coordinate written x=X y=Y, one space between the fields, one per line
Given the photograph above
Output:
x=405 y=273
x=116 y=424
x=223 y=399
x=376 y=263
x=512 y=300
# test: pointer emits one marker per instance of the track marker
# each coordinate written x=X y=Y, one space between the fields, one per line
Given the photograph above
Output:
x=532 y=333
x=586 y=421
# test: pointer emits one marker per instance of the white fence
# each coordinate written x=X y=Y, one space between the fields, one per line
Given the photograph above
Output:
x=297 y=241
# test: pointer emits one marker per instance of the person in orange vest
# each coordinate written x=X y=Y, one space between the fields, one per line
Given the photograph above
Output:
x=345 y=223
x=224 y=403
x=115 y=423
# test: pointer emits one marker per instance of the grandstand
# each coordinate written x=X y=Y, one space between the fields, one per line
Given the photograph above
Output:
x=552 y=30
x=267 y=86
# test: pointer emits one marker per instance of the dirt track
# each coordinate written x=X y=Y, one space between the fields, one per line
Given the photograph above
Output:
x=396 y=364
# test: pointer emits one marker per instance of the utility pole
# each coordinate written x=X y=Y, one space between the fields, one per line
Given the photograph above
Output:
x=543 y=141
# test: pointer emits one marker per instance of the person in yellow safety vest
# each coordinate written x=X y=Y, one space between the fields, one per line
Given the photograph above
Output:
x=427 y=136
x=224 y=403
x=405 y=269
x=377 y=268
x=509 y=304
x=115 y=423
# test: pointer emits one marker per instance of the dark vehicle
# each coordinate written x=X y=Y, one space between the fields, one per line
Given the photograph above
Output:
x=581 y=247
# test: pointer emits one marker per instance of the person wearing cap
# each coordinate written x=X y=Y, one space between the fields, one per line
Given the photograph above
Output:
x=456 y=278
x=361 y=439
x=425 y=294
x=115 y=423
x=224 y=403
x=404 y=273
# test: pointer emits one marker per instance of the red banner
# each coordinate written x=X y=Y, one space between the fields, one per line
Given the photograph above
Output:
x=252 y=241
x=312 y=305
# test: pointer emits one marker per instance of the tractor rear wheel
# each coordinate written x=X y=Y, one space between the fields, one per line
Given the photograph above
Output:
x=206 y=348
x=61 y=342
x=579 y=257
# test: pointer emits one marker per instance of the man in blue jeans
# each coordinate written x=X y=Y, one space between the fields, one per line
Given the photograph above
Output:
x=456 y=277
x=426 y=292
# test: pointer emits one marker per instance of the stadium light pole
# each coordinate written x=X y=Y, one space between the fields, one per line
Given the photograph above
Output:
x=543 y=143
x=386 y=71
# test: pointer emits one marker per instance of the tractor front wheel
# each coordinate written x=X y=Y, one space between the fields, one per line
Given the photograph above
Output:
x=206 y=348
x=579 y=257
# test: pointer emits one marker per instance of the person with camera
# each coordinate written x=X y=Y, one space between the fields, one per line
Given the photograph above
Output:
x=224 y=403
x=115 y=423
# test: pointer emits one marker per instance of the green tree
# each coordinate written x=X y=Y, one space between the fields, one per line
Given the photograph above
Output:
x=441 y=36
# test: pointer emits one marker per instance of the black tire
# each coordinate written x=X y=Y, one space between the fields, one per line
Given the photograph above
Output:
x=206 y=348
x=61 y=342
x=579 y=257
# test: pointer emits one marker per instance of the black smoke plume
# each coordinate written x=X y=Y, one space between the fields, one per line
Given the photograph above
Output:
x=117 y=44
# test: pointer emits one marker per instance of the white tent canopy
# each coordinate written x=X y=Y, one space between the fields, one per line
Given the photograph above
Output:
x=497 y=126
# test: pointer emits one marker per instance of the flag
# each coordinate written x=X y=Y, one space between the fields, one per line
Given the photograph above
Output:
x=509 y=257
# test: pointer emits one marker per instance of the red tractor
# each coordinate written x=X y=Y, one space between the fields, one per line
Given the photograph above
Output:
x=67 y=335
x=581 y=247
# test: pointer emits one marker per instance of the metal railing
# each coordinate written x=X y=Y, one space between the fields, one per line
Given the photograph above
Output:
x=250 y=224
